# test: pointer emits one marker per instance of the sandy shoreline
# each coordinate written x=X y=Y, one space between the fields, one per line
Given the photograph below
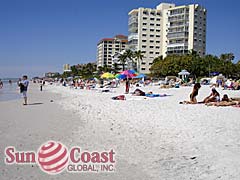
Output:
x=155 y=138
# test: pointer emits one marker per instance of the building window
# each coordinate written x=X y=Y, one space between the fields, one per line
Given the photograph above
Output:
x=151 y=35
x=157 y=35
x=158 y=24
x=151 y=41
x=158 y=19
x=144 y=24
x=144 y=46
x=144 y=35
x=152 y=19
x=145 y=12
x=144 y=18
x=152 y=30
x=157 y=47
x=151 y=47
x=157 y=30
x=143 y=69
x=157 y=41
x=151 y=24
x=144 y=29
x=151 y=52
x=144 y=40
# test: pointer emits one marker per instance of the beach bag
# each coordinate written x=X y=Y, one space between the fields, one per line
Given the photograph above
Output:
x=120 y=97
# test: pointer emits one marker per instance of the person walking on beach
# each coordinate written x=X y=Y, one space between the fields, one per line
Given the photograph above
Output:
x=24 y=87
x=1 y=84
x=127 y=86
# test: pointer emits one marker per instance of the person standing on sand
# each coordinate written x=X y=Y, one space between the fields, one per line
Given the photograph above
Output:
x=24 y=87
x=1 y=84
x=127 y=86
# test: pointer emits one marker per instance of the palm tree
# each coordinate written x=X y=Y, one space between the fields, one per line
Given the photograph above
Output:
x=129 y=56
x=123 y=59
x=139 y=56
x=158 y=59
x=227 y=61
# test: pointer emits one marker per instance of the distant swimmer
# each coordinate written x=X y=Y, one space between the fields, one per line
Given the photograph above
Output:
x=1 y=84
x=10 y=82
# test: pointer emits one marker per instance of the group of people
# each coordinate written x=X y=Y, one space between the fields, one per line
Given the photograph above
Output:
x=212 y=99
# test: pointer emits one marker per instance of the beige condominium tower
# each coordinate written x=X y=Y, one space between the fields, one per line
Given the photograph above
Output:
x=107 y=47
x=168 y=29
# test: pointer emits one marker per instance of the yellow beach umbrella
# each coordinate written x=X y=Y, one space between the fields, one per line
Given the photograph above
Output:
x=107 y=76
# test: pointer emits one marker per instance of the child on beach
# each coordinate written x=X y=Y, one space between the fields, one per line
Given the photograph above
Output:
x=24 y=87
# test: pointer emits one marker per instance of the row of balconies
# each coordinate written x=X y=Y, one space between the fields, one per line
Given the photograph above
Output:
x=175 y=19
x=133 y=20
x=177 y=35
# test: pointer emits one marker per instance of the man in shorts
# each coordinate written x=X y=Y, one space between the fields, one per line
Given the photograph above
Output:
x=24 y=87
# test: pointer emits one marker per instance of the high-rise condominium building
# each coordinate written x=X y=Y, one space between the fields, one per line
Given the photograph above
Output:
x=168 y=29
x=66 y=68
x=108 y=47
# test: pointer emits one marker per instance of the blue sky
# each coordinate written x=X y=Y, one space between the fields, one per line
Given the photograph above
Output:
x=38 y=36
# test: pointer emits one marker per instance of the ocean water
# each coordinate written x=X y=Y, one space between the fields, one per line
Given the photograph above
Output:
x=9 y=91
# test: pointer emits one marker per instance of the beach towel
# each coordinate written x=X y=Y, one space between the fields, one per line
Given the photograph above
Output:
x=120 y=97
x=156 y=95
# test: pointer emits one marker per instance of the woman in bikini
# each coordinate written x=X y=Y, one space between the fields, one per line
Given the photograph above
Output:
x=213 y=97
x=193 y=95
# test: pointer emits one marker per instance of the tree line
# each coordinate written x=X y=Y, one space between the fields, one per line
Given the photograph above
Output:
x=196 y=65
x=171 y=65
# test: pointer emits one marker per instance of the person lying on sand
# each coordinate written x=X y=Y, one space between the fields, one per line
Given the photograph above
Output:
x=193 y=95
x=138 y=92
x=225 y=102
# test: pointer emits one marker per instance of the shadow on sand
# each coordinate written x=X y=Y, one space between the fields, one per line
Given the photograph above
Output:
x=32 y=104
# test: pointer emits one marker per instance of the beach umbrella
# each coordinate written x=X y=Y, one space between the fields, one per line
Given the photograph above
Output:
x=183 y=73
x=140 y=76
x=120 y=76
x=129 y=73
x=107 y=76
x=214 y=73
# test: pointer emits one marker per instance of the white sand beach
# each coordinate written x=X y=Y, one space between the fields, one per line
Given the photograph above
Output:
x=154 y=138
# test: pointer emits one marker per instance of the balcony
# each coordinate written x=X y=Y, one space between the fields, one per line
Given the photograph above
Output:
x=177 y=35
x=177 y=46
x=132 y=36
x=132 y=20
x=133 y=28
